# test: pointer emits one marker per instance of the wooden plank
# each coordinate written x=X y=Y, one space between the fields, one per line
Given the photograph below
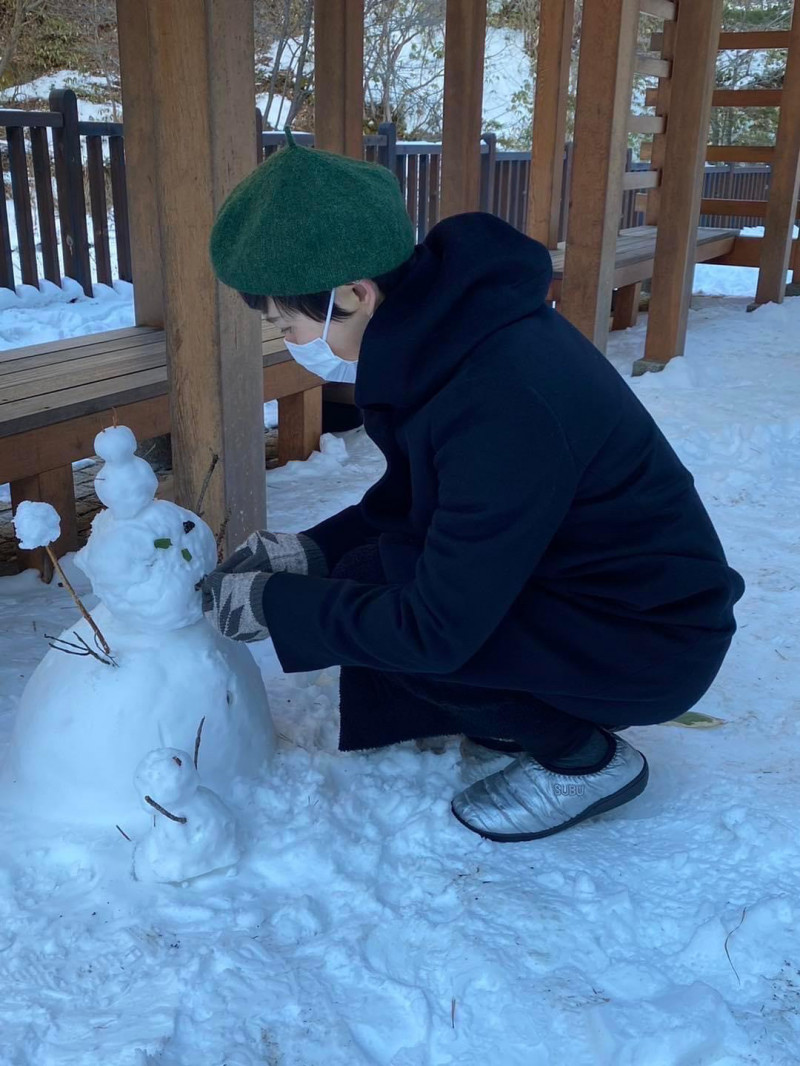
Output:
x=682 y=180
x=661 y=9
x=338 y=76
x=99 y=208
x=746 y=251
x=56 y=487
x=784 y=183
x=69 y=184
x=203 y=80
x=741 y=153
x=605 y=80
x=746 y=98
x=753 y=40
x=464 y=42
x=662 y=104
x=299 y=425
x=10 y=117
x=43 y=181
x=21 y=193
x=119 y=199
x=553 y=60
x=49 y=381
x=734 y=208
x=640 y=179
x=647 y=124
x=6 y=260
x=651 y=67
x=138 y=103
x=58 y=349
x=43 y=355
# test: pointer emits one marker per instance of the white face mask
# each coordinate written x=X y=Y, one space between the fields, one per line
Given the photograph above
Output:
x=317 y=356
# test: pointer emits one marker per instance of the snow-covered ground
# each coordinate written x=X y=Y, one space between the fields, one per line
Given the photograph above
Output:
x=365 y=926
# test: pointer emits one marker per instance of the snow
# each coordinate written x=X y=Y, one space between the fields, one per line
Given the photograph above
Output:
x=199 y=838
x=36 y=525
x=365 y=926
x=730 y=281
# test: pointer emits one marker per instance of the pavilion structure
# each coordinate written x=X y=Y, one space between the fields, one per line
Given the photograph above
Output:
x=190 y=134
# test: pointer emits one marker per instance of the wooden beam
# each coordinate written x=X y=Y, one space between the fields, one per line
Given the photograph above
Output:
x=753 y=40
x=733 y=208
x=682 y=179
x=626 y=306
x=661 y=9
x=338 y=76
x=550 y=120
x=731 y=98
x=135 y=61
x=647 y=124
x=203 y=80
x=663 y=95
x=746 y=251
x=784 y=182
x=740 y=153
x=605 y=81
x=464 y=44
x=652 y=67
x=641 y=179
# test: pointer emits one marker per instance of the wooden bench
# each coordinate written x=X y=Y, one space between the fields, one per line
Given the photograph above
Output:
x=635 y=257
x=55 y=398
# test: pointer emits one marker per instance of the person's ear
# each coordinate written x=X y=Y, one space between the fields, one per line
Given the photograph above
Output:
x=365 y=296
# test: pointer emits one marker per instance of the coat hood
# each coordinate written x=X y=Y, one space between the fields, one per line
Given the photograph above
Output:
x=473 y=275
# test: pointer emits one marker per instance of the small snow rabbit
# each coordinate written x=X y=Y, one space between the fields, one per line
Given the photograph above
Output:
x=193 y=833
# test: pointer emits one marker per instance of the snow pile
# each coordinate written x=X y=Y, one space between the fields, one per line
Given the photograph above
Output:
x=36 y=525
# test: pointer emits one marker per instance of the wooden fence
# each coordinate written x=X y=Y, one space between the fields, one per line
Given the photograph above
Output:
x=54 y=166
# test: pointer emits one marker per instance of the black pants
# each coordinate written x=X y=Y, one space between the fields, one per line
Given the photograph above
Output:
x=379 y=708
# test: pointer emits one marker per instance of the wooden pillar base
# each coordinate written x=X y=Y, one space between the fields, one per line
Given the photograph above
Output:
x=299 y=425
x=56 y=487
x=646 y=366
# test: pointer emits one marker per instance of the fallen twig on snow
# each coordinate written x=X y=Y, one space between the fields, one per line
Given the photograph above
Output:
x=124 y=833
x=727 y=938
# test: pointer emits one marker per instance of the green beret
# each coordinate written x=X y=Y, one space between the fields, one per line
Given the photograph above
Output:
x=306 y=221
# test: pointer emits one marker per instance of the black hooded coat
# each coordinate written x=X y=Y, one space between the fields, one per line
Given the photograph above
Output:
x=537 y=532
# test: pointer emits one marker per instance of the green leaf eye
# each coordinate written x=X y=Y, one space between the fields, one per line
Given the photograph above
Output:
x=186 y=554
x=162 y=542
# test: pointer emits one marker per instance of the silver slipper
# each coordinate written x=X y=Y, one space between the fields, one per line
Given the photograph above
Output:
x=524 y=801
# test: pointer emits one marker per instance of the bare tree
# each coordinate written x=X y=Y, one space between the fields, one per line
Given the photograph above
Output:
x=21 y=13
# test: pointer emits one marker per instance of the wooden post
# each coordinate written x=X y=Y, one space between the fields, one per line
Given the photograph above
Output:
x=69 y=183
x=550 y=120
x=785 y=182
x=136 y=63
x=693 y=67
x=299 y=419
x=387 y=153
x=56 y=487
x=43 y=179
x=338 y=76
x=204 y=125
x=464 y=44
x=21 y=195
x=605 y=83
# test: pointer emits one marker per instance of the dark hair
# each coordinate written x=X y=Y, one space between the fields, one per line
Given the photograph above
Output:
x=315 y=305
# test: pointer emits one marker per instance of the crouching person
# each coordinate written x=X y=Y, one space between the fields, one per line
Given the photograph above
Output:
x=535 y=569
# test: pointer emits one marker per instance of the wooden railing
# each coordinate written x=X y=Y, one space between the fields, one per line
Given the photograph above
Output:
x=67 y=188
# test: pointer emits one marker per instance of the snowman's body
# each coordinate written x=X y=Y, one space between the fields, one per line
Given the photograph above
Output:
x=196 y=835
x=83 y=726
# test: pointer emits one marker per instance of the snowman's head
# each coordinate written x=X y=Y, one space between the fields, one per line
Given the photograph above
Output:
x=168 y=776
x=145 y=569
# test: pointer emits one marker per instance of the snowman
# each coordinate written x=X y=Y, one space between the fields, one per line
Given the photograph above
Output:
x=85 y=721
x=193 y=832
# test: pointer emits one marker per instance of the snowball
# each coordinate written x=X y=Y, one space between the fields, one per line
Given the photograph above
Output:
x=37 y=524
